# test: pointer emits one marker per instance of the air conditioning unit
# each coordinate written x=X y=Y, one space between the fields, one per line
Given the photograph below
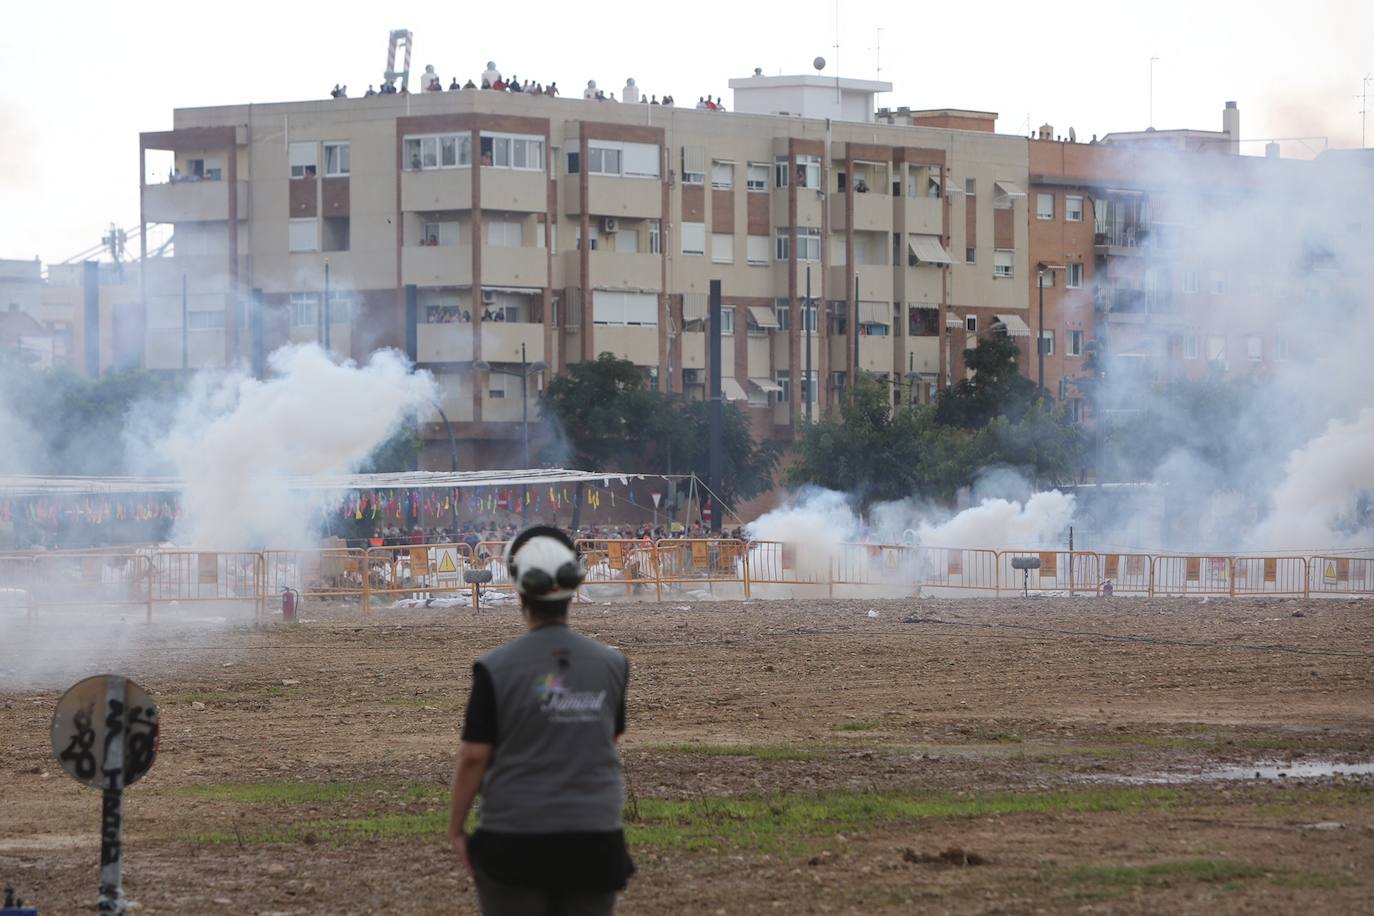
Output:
x=488 y=297
x=693 y=376
x=609 y=224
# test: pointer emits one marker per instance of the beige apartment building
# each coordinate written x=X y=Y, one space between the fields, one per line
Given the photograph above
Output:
x=500 y=238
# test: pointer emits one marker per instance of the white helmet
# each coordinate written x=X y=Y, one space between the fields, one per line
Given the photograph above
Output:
x=543 y=564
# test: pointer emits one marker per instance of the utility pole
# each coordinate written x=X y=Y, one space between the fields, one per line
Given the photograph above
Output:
x=326 y=305
x=1040 y=338
x=806 y=325
x=714 y=461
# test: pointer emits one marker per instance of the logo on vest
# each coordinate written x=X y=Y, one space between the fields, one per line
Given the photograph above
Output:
x=563 y=705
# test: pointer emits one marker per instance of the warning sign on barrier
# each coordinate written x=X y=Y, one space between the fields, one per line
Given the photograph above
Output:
x=1329 y=572
x=446 y=561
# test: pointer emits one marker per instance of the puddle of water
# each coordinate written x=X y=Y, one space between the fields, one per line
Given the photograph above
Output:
x=1264 y=769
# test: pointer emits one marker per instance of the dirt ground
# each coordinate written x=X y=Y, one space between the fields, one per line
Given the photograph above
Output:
x=973 y=756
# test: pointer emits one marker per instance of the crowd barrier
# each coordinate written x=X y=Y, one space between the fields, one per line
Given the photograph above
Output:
x=670 y=569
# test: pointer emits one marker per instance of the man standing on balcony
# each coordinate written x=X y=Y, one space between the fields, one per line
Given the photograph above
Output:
x=545 y=714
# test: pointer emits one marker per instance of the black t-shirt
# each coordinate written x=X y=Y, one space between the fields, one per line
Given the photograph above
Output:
x=583 y=862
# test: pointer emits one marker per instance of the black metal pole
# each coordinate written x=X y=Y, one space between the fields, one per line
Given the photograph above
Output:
x=806 y=323
x=715 y=408
x=452 y=455
x=855 y=330
x=1040 y=339
x=256 y=333
x=524 y=405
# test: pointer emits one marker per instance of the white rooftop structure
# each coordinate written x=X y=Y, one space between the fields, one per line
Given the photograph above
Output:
x=808 y=96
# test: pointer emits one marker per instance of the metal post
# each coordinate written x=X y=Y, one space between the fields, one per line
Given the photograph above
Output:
x=1040 y=340
x=806 y=324
x=185 y=336
x=256 y=331
x=854 y=331
x=716 y=408
x=326 y=305
x=111 y=898
x=524 y=408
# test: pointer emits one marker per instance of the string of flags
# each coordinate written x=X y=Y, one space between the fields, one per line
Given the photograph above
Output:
x=90 y=510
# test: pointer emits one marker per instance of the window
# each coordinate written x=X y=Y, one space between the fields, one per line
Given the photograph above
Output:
x=1216 y=349
x=1047 y=342
x=808 y=243
x=204 y=321
x=627 y=241
x=574 y=162
x=1073 y=276
x=970 y=186
x=655 y=237
x=303 y=235
x=723 y=176
x=305 y=310
x=694 y=238
x=784 y=380
x=722 y=248
x=439 y=233
x=512 y=151
x=438 y=151
x=614 y=306
x=756 y=249
x=335 y=234
x=1190 y=346
x=727 y=319
x=604 y=160
x=782 y=309
x=808 y=171
x=504 y=234
x=205 y=169
x=1046 y=279
x=923 y=322
x=1218 y=283
x=839 y=318
x=1254 y=349
x=1076 y=410
x=756 y=178
x=970 y=255
x=302 y=159
x=1044 y=206
x=1075 y=343
x=336 y=159
x=971 y=324
x=1002 y=262
x=781 y=172
x=1191 y=281
x=1073 y=208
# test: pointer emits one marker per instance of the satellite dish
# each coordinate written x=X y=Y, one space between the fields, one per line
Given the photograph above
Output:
x=819 y=63
x=1073 y=135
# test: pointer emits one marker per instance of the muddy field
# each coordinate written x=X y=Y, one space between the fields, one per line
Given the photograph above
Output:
x=1011 y=756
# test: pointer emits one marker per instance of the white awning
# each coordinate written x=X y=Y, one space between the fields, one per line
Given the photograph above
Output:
x=874 y=313
x=927 y=249
x=515 y=290
x=765 y=385
x=763 y=317
x=1014 y=325
x=731 y=390
x=1008 y=188
x=953 y=321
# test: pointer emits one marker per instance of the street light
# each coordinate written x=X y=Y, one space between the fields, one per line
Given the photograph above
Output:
x=526 y=368
x=1040 y=339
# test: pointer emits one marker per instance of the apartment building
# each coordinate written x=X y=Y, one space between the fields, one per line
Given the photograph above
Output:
x=499 y=238
x=88 y=312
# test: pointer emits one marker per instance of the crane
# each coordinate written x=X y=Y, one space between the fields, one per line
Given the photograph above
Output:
x=398 y=37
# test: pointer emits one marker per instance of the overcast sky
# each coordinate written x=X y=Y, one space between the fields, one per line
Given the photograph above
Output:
x=79 y=80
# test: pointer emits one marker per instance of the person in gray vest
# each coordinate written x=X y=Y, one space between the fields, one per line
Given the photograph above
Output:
x=539 y=740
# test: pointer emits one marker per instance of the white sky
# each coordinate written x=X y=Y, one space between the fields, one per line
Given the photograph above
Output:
x=79 y=80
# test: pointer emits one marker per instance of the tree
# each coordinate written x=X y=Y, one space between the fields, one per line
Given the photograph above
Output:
x=606 y=419
x=997 y=388
x=1044 y=445
x=881 y=454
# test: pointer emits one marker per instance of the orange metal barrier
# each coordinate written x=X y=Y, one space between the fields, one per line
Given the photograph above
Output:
x=613 y=562
x=779 y=563
x=184 y=576
x=415 y=568
x=315 y=573
x=702 y=561
x=882 y=565
x=76 y=579
x=1129 y=573
x=1269 y=576
x=957 y=568
x=1190 y=575
x=1340 y=576
x=1060 y=570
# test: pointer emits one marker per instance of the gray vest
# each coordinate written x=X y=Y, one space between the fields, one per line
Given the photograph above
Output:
x=555 y=768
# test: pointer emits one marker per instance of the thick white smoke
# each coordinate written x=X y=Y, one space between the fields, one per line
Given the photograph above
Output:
x=238 y=440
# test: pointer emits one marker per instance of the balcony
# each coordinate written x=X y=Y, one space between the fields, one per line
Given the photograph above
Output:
x=628 y=197
x=875 y=353
x=1124 y=239
x=516 y=190
x=439 y=265
x=875 y=282
x=637 y=344
x=923 y=355
x=925 y=215
x=694 y=350
x=511 y=266
x=872 y=212
x=192 y=201
x=436 y=189
x=501 y=341
x=614 y=270
x=443 y=343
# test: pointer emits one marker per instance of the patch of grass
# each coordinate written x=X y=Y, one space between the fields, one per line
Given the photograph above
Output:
x=1118 y=880
x=787 y=823
x=757 y=751
x=297 y=793
x=856 y=727
x=339 y=830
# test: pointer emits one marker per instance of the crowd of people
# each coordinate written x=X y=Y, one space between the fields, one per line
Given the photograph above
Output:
x=475 y=535
x=452 y=314
x=492 y=79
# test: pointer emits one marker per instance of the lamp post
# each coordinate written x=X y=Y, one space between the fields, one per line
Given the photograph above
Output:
x=806 y=324
x=326 y=305
x=452 y=455
x=526 y=368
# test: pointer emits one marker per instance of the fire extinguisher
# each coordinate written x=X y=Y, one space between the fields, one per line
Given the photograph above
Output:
x=290 y=601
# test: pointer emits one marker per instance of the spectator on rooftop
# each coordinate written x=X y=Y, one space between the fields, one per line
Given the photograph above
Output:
x=611 y=97
x=631 y=93
x=370 y=91
x=710 y=105
x=430 y=81
x=654 y=100
x=720 y=106
x=701 y=102
x=553 y=88
x=590 y=92
x=515 y=84
x=491 y=74
x=469 y=85
x=668 y=100
x=499 y=85
x=453 y=85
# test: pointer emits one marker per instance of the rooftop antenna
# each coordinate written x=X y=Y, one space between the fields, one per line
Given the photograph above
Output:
x=878 y=62
x=837 y=52
x=1151 y=122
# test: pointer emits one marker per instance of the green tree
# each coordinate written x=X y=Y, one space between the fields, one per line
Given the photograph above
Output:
x=879 y=453
x=606 y=419
x=1044 y=445
x=997 y=388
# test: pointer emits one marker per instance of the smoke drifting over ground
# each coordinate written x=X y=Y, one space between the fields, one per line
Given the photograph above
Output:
x=237 y=441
